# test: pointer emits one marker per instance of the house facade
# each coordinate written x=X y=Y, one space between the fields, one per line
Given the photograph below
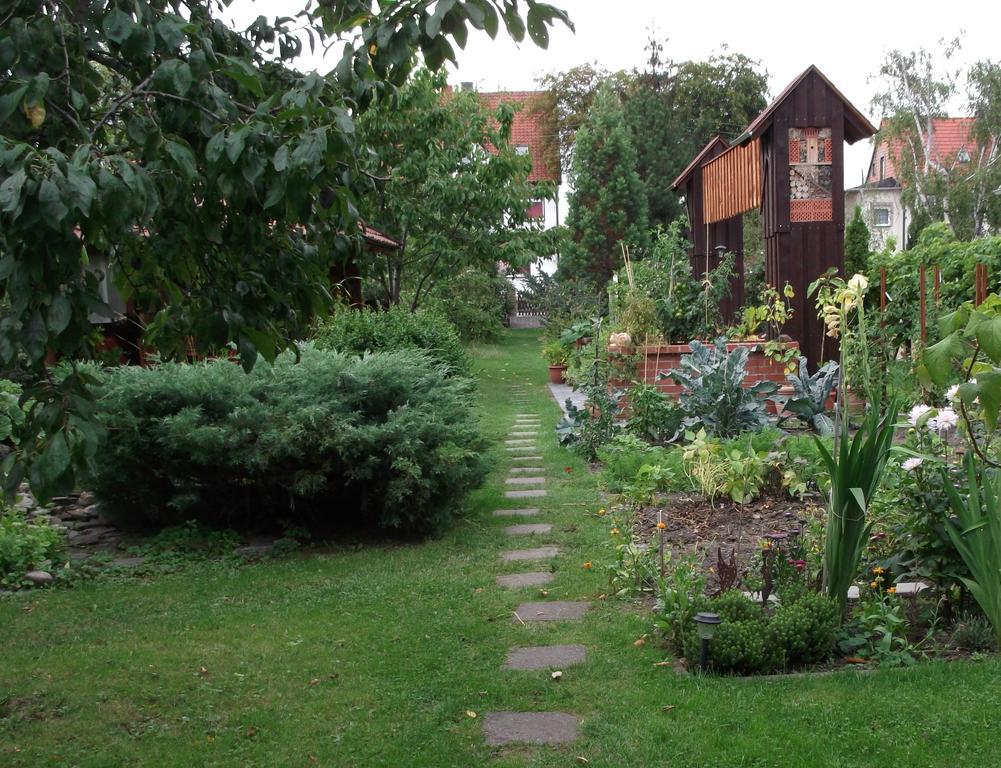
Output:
x=531 y=133
x=881 y=195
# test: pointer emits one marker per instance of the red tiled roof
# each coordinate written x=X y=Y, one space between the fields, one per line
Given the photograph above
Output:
x=949 y=135
x=530 y=128
x=377 y=238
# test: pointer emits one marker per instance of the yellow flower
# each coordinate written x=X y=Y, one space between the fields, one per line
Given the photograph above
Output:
x=873 y=584
x=891 y=591
x=587 y=565
x=877 y=570
x=602 y=511
x=662 y=525
x=615 y=531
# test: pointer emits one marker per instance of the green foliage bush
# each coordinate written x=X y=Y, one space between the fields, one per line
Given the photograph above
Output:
x=938 y=246
x=385 y=440
x=476 y=303
x=24 y=545
x=753 y=641
x=355 y=332
x=714 y=396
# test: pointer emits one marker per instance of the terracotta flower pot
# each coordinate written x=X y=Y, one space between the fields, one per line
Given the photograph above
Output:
x=556 y=374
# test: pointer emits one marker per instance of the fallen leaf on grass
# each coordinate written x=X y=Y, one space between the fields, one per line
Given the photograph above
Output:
x=583 y=760
x=470 y=713
x=663 y=663
x=203 y=671
x=640 y=643
x=314 y=681
x=855 y=660
x=667 y=708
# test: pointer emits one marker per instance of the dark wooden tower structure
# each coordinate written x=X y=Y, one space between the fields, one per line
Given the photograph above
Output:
x=790 y=163
x=706 y=239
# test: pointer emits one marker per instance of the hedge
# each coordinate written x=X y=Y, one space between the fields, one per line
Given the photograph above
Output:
x=332 y=441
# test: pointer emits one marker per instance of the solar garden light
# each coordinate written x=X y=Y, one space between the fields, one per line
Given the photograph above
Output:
x=707 y=628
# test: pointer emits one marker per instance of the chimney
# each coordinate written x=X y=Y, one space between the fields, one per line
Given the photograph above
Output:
x=467 y=86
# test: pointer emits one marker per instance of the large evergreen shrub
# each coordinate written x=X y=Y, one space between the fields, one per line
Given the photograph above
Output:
x=387 y=440
x=355 y=332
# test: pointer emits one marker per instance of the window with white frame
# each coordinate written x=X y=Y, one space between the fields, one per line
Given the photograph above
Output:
x=521 y=149
x=881 y=216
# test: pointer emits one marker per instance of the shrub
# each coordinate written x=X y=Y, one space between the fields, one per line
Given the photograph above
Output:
x=652 y=414
x=476 y=303
x=331 y=441
x=24 y=546
x=752 y=641
x=714 y=395
x=355 y=332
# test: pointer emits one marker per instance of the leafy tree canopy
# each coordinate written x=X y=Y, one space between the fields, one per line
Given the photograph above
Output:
x=608 y=206
x=456 y=191
x=917 y=88
x=216 y=180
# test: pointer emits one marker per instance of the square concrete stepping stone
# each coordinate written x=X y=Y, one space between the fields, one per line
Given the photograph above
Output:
x=539 y=553
x=526 y=458
x=530 y=579
x=545 y=657
x=525 y=481
x=521 y=441
x=556 y=610
x=526 y=470
x=530 y=493
x=528 y=529
x=522 y=435
x=527 y=512
x=526 y=416
x=529 y=728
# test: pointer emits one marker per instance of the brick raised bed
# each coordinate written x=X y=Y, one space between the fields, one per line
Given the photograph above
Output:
x=665 y=357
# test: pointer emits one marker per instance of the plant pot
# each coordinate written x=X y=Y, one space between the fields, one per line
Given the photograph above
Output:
x=556 y=374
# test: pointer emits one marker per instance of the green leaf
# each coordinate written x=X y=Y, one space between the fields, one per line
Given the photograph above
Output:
x=82 y=189
x=9 y=102
x=989 y=337
x=235 y=143
x=118 y=26
x=52 y=203
x=938 y=358
x=10 y=191
x=51 y=466
x=59 y=315
x=243 y=73
x=248 y=353
x=537 y=27
x=184 y=158
x=215 y=147
x=433 y=25
x=989 y=392
x=280 y=160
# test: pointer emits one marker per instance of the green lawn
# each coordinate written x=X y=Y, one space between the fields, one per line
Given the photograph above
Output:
x=372 y=655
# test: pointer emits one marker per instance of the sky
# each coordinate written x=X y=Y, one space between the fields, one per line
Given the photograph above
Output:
x=847 y=41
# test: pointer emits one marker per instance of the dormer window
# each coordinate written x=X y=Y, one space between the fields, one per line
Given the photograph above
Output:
x=521 y=149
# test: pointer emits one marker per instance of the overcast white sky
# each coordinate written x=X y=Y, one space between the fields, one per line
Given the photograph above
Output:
x=846 y=40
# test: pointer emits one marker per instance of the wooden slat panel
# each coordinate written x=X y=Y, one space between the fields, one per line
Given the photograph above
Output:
x=731 y=183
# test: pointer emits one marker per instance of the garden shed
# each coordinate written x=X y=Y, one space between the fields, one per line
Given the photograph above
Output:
x=789 y=162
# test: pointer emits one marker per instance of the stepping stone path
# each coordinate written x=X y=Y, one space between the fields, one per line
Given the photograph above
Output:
x=555 y=610
x=502 y=728
x=526 y=481
x=530 y=579
x=528 y=529
x=539 y=553
x=545 y=657
x=526 y=512
x=529 y=728
x=533 y=493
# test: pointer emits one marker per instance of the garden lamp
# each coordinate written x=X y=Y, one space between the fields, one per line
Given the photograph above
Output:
x=707 y=628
